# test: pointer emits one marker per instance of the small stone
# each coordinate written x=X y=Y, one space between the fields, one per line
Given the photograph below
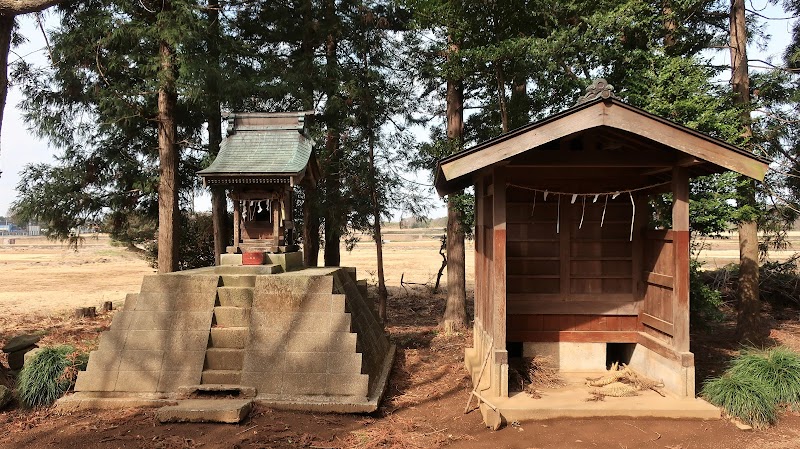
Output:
x=740 y=425
x=29 y=355
x=21 y=342
x=5 y=396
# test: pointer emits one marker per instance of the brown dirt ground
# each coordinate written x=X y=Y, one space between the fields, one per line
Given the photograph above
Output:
x=425 y=399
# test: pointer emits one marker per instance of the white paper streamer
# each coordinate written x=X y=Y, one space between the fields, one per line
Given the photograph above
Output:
x=558 y=219
x=583 y=211
x=603 y=218
x=633 y=214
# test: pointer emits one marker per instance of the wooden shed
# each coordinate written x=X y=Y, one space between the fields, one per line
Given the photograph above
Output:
x=566 y=262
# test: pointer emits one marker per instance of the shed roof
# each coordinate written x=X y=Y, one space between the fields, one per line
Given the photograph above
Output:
x=611 y=118
x=263 y=145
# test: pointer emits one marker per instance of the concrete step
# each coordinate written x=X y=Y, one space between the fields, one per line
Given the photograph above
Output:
x=229 y=337
x=231 y=316
x=220 y=376
x=298 y=285
x=235 y=296
x=298 y=301
x=238 y=280
x=230 y=411
x=216 y=390
x=224 y=359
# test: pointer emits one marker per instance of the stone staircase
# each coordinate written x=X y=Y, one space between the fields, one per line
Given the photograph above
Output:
x=229 y=331
x=305 y=339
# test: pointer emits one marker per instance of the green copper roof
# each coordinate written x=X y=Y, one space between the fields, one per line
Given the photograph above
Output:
x=273 y=151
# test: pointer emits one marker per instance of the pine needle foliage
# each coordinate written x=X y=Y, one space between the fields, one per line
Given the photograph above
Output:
x=778 y=367
x=743 y=397
x=49 y=375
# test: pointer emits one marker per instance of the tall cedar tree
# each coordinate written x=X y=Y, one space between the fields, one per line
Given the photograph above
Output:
x=110 y=101
x=748 y=323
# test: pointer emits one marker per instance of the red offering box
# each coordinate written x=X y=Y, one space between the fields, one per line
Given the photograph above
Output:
x=253 y=258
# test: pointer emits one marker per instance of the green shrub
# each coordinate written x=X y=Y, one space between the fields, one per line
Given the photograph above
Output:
x=743 y=397
x=704 y=300
x=49 y=375
x=779 y=368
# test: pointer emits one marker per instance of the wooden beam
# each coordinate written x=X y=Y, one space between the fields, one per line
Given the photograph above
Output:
x=576 y=336
x=499 y=281
x=686 y=359
x=620 y=117
x=237 y=222
x=615 y=116
x=658 y=324
x=580 y=120
x=661 y=280
x=680 y=227
x=557 y=307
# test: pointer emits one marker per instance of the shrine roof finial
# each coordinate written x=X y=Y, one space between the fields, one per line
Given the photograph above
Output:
x=598 y=89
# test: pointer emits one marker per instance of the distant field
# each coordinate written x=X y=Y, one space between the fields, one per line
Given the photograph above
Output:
x=38 y=276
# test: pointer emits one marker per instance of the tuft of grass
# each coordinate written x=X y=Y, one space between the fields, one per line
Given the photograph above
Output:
x=49 y=375
x=778 y=367
x=743 y=397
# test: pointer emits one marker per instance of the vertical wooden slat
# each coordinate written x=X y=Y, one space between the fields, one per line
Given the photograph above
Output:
x=276 y=226
x=680 y=250
x=565 y=225
x=237 y=223
x=480 y=254
x=499 y=272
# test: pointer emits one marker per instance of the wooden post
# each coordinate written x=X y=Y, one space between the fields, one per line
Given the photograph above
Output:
x=680 y=228
x=237 y=223
x=500 y=377
x=276 y=224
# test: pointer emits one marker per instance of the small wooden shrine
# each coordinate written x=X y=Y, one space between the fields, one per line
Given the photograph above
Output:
x=263 y=156
x=566 y=261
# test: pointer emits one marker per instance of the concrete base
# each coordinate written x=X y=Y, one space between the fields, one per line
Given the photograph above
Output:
x=570 y=402
x=95 y=401
x=677 y=379
x=231 y=411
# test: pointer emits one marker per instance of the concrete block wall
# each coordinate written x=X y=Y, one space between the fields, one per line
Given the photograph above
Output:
x=372 y=341
x=157 y=342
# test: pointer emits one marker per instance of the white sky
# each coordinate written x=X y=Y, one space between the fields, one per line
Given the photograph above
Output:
x=18 y=146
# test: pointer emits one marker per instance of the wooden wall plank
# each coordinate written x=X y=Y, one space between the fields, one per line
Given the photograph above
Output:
x=658 y=324
x=661 y=280
x=575 y=336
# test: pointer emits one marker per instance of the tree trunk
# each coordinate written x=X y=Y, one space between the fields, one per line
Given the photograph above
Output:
x=748 y=323
x=6 y=29
x=501 y=94
x=383 y=294
x=311 y=227
x=519 y=106
x=455 y=313
x=333 y=182
x=311 y=194
x=168 y=211
x=219 y=204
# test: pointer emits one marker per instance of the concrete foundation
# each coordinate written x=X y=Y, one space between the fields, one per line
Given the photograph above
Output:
x=677 y=379
x=301 y=337
x=570 y=402
x=569 y=356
